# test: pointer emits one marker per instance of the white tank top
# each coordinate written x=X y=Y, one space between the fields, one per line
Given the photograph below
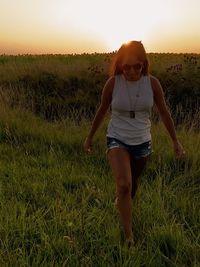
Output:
x=126 y=96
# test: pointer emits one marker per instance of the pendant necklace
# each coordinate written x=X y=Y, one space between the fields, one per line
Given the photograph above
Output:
x=132 y=107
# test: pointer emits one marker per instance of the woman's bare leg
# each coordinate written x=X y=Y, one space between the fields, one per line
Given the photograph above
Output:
x=119 y=160
x=137 y=167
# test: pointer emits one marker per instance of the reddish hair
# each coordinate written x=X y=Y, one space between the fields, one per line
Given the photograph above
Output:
x=135 y=47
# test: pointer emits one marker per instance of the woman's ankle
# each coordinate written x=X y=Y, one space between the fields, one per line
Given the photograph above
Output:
x=129 y=236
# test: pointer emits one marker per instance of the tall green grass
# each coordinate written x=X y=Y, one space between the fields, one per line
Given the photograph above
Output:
x=57 y=86
x=57 y=203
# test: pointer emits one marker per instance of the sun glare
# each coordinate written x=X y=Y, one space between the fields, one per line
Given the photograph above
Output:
x=118 y=40
x=112 y=28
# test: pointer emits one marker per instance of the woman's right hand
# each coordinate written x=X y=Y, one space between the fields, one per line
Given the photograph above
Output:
x=87 y=146
x=179 y=151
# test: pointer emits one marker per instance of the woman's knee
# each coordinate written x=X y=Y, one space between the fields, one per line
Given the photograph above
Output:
x=124 y=188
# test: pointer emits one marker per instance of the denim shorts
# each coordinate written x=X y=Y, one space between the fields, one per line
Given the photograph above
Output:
x=137 y=151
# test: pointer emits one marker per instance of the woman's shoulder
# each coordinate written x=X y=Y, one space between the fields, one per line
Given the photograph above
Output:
x=109 y=85
x=153 y=78
x=112 y=79
x=154 y=81
x=155 y=84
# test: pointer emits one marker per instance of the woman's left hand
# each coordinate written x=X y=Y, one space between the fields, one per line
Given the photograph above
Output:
x=179 y=150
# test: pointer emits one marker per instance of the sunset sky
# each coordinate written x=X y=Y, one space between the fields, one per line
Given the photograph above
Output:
x=78 y=26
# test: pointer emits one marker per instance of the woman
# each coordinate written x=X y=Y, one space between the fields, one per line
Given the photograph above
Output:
x=131 y=92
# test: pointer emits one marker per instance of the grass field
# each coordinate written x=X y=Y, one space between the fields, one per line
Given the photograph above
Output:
x=54 y=86
x=57 y=203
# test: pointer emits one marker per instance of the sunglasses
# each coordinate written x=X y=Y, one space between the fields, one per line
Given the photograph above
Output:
x=127 y=67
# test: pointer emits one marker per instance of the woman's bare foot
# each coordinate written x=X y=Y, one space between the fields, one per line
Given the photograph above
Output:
x=129 y=242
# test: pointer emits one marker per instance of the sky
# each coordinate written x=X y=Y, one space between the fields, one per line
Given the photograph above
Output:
x=88 y=26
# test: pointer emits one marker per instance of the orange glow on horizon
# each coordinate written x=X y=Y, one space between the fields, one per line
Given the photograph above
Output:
x=74 y=26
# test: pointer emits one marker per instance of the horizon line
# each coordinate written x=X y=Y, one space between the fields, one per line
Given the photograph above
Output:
x=87 y=53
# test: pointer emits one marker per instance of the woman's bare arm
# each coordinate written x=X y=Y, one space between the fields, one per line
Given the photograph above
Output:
x=163 y=110
x=165 y=114
x=106 y=98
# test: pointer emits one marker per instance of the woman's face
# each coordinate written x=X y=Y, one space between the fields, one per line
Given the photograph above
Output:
x=131 y=67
